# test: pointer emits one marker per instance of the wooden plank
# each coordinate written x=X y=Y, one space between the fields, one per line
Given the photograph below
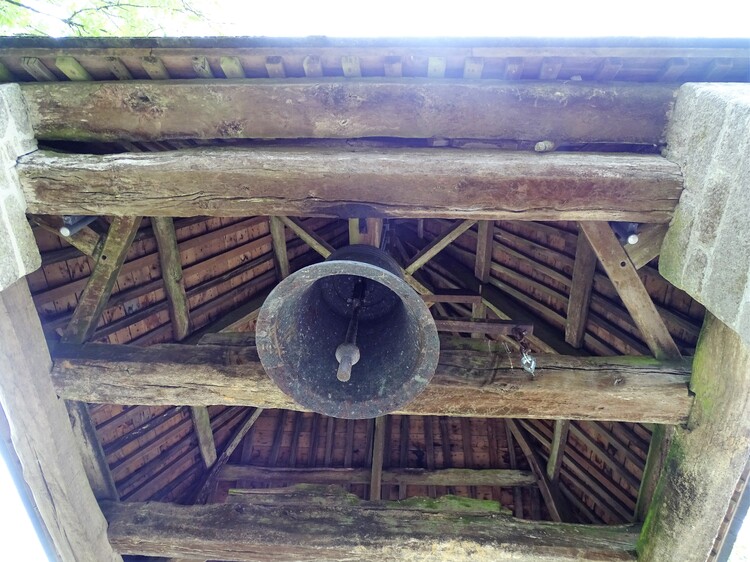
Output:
x=661 y=440
x=155 y=69
x=437 y=245
x=392 y=476
x=201 y=67
x=92 y=302
x=707 y=458
x=85 y=240
x=171 y=273
x=278 y=236
x=580 y=292
x=376 y=470
x=551 y=497
x=485 y=242
x=649 y=243
x=312 y=66
x=512 y=462
x=72 y=68
x=118 y=68
x=351 y=67
x=557 y=451
x=204 y=433
x=608 y=69
x=473 y=67
x=457 y=296
x=436 y=67
x=473 y=325
x=466 y=383
x=550 y=68
x=232 y=67
x=36 y=68
x=308 y=236
x=42 y=435
x=473 y=184
x=275 y=67
x=629 y=287
x=231 y=532
x=211 y=478
x=568 y=112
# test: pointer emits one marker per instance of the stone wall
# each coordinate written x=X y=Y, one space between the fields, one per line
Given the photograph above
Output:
x=18 y=251
x=707 y=249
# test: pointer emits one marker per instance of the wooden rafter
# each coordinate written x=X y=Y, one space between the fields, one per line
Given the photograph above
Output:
x=557 y=452
x=308 y=236
x=650 y=239
x=278 y=236
x=85 y=240
x=466 y=383
x=580 y=292
x=629 y=286
x=551 y=496
x=102 y=280
x=474 y=184
x=415 y=108
x=171 y=272
x=204 y=433
x=437 y=245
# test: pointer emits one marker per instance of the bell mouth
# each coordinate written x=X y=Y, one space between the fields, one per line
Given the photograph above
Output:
x=300 y=326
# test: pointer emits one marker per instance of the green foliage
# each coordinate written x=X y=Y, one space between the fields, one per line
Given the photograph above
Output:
x=106 y=18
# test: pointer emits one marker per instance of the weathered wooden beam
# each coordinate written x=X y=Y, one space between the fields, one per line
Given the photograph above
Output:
x=376 y=468
x=705 y=459
x=278 y=237
x=476 y=184
x=305 y=530
x=584 y=268
x=393 y=477
x=557 y=450
x=455 y=296
x=466 y=383
x=211 y=478
x=473 y=325
x=629 y=286
x=42 y=435
x=551 y=496
x=171 y=273
x=94 y=299
x=649 y=243
x=437 y=245
x=204 y=433
x=309 y=237
x=350 y=108
x=85 y=240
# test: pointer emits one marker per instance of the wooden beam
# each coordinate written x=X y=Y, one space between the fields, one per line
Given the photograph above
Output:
x=466 y=383
x=455 y=296
x=278 y=236
x=171 y=273
x=309 y=237
x=629 y=286
x=42 y=435
x=551 y=497
x=490 y=327
x=204 y=433
x=584 y=268
x=312 y=530
x=557 y=450
x=437 y=245
x=85 y=240
x=649 y=243
x=211 y=478
x=376 y=469
x=350 y=108
x=92 y=302
x=706 y=459
x=392 y=477
x=466 y=184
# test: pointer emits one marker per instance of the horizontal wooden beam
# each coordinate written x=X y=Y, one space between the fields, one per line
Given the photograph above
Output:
x=467 y=383
x=405 y=476
x=478 y=325
x=565 y=112
x=345 y=529
x=469 y=184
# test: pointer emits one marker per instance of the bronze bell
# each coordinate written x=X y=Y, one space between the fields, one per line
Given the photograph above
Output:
x=348 y=337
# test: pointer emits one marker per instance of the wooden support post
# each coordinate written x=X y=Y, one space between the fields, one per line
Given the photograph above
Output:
x=42 y=435
x=482 y=265
x=171 y=273
x=211 y=478
x=204 y=433
x=557 y=452
x=309 y=237
x=629 y=286
x=278 y=236
x=102 y=280
x=580 y=292
x=551 y=496
x=512 y=462
x=376 y=472
x=706 y=459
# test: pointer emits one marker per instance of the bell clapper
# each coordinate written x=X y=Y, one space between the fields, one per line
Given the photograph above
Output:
x=347 y=354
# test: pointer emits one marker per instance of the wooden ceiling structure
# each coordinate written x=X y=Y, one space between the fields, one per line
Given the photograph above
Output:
x=215 y=167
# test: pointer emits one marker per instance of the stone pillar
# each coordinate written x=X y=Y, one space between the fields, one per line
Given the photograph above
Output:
x=18 y=251
x=707 y=249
